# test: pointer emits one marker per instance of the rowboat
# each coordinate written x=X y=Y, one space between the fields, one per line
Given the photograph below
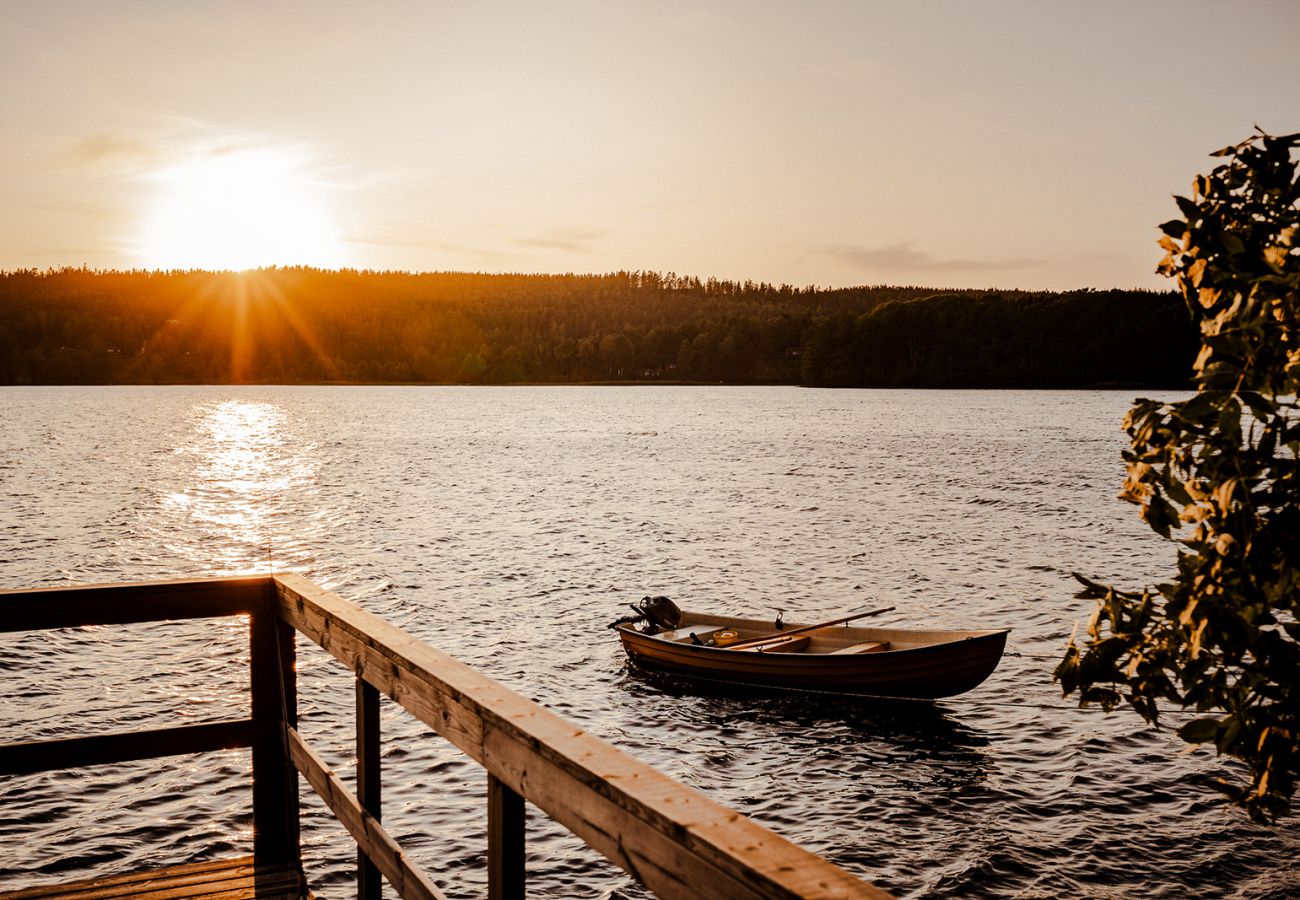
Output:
x=837 y=659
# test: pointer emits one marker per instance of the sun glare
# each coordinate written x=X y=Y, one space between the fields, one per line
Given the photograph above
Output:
x=239 y=209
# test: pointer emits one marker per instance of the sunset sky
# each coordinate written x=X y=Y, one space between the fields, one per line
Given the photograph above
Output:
x=989 y=144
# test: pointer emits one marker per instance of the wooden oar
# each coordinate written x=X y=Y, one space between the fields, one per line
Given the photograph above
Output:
x=805 y=628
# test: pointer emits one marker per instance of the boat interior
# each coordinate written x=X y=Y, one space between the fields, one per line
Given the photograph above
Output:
x=723 y=631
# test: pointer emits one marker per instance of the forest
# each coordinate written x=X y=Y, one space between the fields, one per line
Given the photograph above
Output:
x=306 y=326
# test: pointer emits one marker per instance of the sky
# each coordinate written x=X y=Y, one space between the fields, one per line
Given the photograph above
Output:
x=948 y=144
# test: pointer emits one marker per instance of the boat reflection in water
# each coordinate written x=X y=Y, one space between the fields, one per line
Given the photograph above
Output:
x=926 y=730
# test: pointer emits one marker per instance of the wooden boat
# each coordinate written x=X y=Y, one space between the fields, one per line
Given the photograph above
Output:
x=838 y=659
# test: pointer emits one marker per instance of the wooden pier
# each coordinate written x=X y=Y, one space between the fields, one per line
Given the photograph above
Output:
x=669 y=837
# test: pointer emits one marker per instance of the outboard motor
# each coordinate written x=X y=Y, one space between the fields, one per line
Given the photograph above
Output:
x=659 y=614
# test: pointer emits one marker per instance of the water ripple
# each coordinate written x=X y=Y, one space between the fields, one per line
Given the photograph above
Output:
x=506 y=526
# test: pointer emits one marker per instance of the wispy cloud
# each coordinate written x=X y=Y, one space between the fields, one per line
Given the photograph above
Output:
x=114 y=151
x=572 y=239
x=903 y=258
x=148 y=153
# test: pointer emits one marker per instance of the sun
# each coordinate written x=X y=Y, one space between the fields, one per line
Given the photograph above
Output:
x=236 y=209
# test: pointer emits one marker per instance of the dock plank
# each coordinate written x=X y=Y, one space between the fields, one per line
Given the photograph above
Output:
x=228 y=879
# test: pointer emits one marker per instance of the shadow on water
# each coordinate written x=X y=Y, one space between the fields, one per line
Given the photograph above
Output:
x=921 y=725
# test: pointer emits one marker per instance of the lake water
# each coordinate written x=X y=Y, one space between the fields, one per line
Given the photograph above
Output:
x=507 y=526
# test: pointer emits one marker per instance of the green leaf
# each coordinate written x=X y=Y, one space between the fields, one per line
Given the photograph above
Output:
x=1177 y=493
x=1160 y=516
x=1228 y=734
x=1262 y=408
x=1199 y=731
x=1230 y=421
x=1188 y=207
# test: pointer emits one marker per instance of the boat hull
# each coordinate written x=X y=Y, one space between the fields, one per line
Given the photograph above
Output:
x=918 y=664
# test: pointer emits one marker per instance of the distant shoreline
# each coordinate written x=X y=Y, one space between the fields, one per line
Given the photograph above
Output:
x=309 y=326
x=579 y=384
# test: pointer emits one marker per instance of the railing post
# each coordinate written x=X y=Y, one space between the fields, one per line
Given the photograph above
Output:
x=505 y=842
x=275 y=704
x=369 y=886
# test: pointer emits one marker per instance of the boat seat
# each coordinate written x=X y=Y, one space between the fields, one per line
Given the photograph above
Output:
x=779 y=644
x=864 y=647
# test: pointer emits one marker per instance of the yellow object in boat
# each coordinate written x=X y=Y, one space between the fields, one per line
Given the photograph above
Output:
x=725 y=636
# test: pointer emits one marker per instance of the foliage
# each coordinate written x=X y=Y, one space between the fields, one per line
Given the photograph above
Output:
x=1006 y=340
x=1220 y=474
x=305 y=325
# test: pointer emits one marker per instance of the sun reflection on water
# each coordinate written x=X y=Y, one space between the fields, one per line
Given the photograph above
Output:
x=229 y=506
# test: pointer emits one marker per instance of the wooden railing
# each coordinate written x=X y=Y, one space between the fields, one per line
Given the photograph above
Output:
x=670 y=837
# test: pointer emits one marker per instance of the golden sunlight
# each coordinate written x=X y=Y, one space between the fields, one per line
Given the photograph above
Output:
x=239 y=209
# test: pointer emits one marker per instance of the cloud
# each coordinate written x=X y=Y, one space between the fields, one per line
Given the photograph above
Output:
x=113 y=150
x=573 y=239
x=187 y=142
x=904 y=258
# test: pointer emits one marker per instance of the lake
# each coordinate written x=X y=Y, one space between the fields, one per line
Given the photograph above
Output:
x=507 y=526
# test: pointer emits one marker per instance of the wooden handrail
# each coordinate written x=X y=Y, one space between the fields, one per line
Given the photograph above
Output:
x=670 y=837
x=38 y=609
x=97 y=750
x=372 y=840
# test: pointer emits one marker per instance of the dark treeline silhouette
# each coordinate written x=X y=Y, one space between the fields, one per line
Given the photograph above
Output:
x=1004 y=339
x=298 y=325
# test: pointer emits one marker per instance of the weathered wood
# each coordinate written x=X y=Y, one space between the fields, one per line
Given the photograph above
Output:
x=120 y=604
x=286 y=654
x=505 y=842
x=408 y=881
x=671 y=865
x=287 y=659
x=670 y=837
x=68 y=753
x=369 y=886
x=229 y=879
x=127 y=882
x=177 y=881
x=275 y=786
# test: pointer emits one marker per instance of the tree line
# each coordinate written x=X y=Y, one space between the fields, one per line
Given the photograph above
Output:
x=303 y=325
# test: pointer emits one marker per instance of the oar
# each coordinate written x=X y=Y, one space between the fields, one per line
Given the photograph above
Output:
x=805 y=628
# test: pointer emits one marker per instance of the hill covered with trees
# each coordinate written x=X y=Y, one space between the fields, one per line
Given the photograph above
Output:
x=298 y=325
